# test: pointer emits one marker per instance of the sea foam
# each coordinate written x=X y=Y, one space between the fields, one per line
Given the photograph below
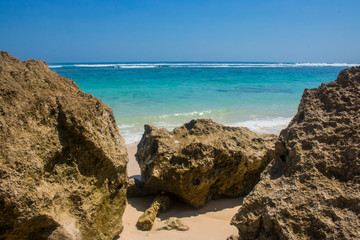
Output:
x=133 y=134
x=267 y=125
x=55 y=66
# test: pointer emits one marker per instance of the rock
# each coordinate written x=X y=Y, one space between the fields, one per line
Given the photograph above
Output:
x=202 y=160
x=233 y=237
x=311 y=190
x=135 y=188
x=62 y=159
x=174 y=223
x=146 y=220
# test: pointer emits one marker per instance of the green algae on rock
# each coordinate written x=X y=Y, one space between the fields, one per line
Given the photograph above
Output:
x=202 y=160
x=62 y=159
x=311 y=189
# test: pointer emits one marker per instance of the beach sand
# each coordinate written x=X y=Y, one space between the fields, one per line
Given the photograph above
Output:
x=210 y=222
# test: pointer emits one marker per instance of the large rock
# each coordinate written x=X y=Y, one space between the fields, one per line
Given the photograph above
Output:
x=62 y=159
x=311 y=190
x=202 y=160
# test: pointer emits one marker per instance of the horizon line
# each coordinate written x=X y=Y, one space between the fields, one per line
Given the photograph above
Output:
x=172 y=61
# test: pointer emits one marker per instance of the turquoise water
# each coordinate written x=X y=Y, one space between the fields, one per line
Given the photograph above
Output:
x=261 y=96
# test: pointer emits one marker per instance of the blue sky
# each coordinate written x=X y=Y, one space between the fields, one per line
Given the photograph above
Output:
x=183 y=30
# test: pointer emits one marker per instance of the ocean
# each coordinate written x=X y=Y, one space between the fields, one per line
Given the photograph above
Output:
x=261 y=96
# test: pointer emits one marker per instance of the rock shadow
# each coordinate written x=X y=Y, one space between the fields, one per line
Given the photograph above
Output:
x=180 y=210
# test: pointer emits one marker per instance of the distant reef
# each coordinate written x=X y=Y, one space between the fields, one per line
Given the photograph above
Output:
x=62 y=159
x=311 y=190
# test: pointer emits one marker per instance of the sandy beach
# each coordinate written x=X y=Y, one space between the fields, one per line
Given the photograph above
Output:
x=210 y=222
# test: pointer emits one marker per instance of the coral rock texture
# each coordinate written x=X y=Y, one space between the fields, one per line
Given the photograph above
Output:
x=311 y=190
x=202 y=160
x=174 y=223
x=147 y=219
x=62 y=159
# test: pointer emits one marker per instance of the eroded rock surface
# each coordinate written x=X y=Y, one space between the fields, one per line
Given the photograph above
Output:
x=62 y=159
x=202 y=160
x=174 y=223
x=147 y=219
x=311 y=190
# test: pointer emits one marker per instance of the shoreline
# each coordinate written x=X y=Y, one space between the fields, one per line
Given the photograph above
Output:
x=209 y=222
x=261 y=125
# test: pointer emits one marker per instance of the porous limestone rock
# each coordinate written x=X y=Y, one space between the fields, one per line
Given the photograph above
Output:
x=311 y=190
x=62 y=159
x=147 y=219
x=174 y=223
x=202 y=160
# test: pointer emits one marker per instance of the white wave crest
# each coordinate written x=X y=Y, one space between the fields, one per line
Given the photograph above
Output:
x=195 y=113
x=131 y=136
x=55 y=66
x=94 y=65
x=133 y=133
x=206 y=65
x=325 y=65
x=271 y=125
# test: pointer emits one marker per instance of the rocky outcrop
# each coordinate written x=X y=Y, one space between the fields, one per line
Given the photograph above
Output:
x=62 y=159
x=311 y=190
x=202 y=160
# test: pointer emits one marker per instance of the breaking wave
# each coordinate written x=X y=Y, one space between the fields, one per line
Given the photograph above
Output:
x=133 y=132
x=267 y=125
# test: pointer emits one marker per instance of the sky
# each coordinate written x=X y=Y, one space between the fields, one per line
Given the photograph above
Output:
x=182 y=30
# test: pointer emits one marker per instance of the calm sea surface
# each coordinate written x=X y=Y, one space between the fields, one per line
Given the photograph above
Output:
x=261 y=96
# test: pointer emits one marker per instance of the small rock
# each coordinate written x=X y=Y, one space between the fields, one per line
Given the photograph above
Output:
x=233 y=237
x=174 y=223
x=146 y=220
